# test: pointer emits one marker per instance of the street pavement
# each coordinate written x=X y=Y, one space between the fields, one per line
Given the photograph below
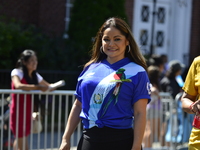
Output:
x=47 y=142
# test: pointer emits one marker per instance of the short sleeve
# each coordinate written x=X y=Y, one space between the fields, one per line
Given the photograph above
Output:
x=39 y=77
x=79 y=84
x=142 y=87
x=17 y=72
x=192 y=82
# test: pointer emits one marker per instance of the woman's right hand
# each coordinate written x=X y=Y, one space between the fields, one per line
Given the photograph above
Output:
x=43 y=88
x=65 y=145
x=195 y=107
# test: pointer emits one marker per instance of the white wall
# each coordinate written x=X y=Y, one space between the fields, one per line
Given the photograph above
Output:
x=177 y=29
x=180 y=27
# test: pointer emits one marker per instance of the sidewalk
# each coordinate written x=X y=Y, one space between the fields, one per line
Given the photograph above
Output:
x=47 y=142
x=73 y=148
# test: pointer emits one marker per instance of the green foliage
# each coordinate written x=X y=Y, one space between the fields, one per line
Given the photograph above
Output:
x=86 y=19
x=17 y=36
x=56 y=53
x=13 y=40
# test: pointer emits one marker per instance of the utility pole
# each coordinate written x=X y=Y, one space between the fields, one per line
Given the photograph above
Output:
x=154 y=13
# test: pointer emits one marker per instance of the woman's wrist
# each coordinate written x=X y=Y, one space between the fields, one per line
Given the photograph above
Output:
x=191 y=107
x=38 y=87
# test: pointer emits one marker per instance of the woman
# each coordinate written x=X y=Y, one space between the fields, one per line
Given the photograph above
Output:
x=191 y=101
x=153 y=108
x=24 y=77
x=170 y=83
x=112 y=89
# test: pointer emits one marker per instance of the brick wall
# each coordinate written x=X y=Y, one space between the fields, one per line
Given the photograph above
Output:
x=52 y=15
x=15 y=9
x=129 y=11
x=46 y=14
x=195 y=30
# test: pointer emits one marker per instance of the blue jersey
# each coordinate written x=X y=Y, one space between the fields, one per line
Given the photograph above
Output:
x=108 y=91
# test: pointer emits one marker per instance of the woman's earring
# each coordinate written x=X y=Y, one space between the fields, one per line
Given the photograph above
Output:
x=101 y=49
x=129 y=48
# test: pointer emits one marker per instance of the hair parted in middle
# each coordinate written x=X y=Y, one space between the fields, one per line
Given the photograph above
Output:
x=134 y=54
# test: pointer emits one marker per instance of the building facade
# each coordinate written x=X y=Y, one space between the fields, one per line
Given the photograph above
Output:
x=170 y=27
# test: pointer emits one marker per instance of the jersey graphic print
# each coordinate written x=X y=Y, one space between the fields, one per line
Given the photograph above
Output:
x=115 y=80
x=119 y=79
x=98 y=96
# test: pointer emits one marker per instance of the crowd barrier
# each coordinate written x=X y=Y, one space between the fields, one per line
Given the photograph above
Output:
x=55 y=108
x=169 y=132
x=168 y=126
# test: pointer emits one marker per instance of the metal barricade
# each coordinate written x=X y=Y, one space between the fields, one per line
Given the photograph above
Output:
x=184 y=124
x=169 y=127
x=158 y=116
x=56 y=106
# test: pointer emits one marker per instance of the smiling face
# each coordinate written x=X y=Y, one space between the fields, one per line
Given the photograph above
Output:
x=31 y=63
x=114 y=44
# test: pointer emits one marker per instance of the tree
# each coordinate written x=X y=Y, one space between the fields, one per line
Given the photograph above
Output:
x=87 y=17
x=16 y=36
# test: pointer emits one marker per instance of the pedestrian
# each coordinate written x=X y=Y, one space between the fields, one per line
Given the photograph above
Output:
x=153 y=128
x=157 y=60
x=164 y=57
x=169 y=83
x=111 y=94
x=24 y=77
x=191 y=102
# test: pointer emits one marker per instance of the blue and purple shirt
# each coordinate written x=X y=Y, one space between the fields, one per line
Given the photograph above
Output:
x=108 y=92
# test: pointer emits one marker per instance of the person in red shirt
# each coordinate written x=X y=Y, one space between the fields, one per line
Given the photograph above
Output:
x=24 y=77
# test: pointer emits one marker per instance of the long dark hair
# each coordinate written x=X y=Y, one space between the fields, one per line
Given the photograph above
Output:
x=134 y=55
x=154 y=76
x=24 y=57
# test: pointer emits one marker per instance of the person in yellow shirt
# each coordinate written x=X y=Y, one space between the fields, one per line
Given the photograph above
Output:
x=191 y=102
